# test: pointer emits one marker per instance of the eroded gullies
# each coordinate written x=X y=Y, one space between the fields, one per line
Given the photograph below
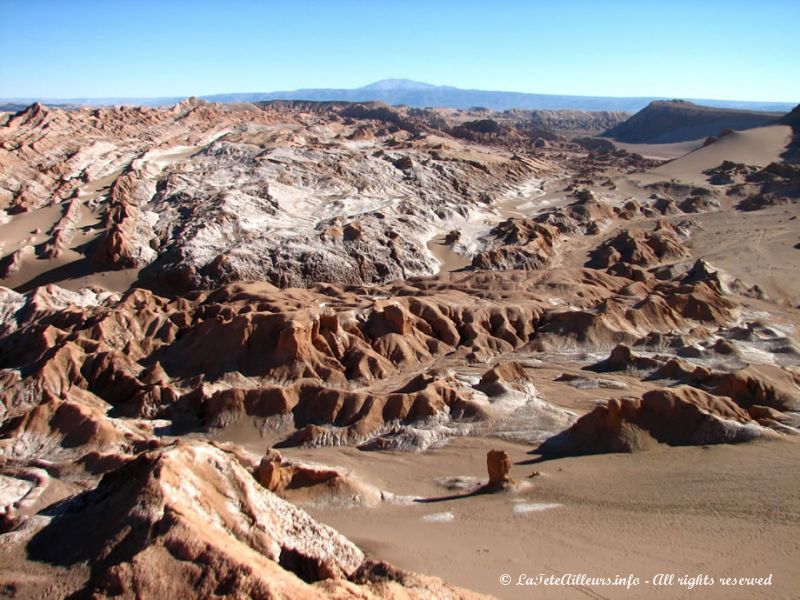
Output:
x=289 y=256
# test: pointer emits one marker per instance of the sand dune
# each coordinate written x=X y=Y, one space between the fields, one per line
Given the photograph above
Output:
x=759 y=146
x=662 y=151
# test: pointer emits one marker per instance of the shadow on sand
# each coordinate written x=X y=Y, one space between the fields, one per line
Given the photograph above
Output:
x=484 y=489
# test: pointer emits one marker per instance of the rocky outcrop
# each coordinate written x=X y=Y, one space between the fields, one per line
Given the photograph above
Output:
x=32 y=116
x=776 y=184
x=533 y=243
x=310 y=484
x=126 y=242
x=622 y=358
x=763 y=385
x=498 y=464
x=587 y=214
x=152 y=537
x=698 y=204
x=63 y=231
x=11 y=264
x=520 y=244
x=644 y=249
x=504 y=377
x=678 y=417
x=666 y=308
x=327 y=415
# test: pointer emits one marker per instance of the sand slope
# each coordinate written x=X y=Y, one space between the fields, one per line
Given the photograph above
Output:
x=759 y=146
x=723 y=510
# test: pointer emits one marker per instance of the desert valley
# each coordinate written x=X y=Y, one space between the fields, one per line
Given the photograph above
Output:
x=262 y=350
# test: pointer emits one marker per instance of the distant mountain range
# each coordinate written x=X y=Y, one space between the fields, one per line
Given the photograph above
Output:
x=417 y=94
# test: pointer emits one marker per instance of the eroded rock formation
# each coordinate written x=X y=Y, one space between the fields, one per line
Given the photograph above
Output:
x=190 y=520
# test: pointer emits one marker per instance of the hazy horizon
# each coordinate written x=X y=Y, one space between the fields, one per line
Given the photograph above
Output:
x=738 y=51
x=367 y=86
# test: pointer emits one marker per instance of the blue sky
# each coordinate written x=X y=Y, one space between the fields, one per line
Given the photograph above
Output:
x=694 y=49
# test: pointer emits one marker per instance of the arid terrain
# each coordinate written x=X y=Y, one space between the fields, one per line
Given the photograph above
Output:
x=262 y=351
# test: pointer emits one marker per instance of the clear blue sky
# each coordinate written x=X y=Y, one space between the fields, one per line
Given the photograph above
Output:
x=694 y=49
